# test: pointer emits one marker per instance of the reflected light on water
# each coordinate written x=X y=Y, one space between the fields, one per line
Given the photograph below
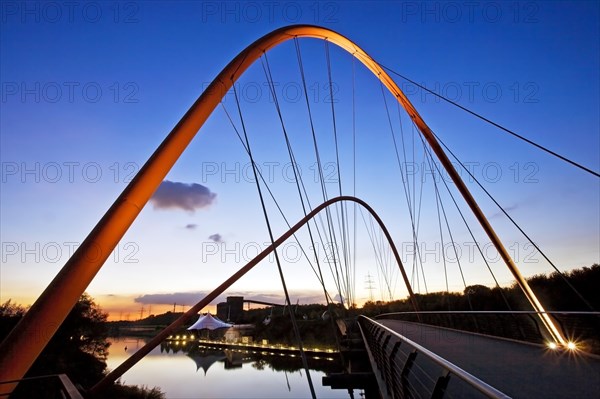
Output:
x=179 y=376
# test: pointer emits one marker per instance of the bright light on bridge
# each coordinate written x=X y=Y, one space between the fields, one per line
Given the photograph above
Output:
x=572 y=346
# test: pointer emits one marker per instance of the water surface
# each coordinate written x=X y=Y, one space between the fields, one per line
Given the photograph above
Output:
x=198 y=372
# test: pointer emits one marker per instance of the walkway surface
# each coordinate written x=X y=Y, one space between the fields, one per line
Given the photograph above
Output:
x=519 y=370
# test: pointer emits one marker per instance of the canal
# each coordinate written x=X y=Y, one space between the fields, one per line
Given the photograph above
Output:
x=192 y=371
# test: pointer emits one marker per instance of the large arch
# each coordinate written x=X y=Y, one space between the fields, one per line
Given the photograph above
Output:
x=25 y=342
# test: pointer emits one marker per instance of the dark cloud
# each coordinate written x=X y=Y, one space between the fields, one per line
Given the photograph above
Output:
x=304 y=296
x=188 y=197
x=180 y=298
x=507 y=209
x=191 y=298
x=215 y=237
x=191 y=226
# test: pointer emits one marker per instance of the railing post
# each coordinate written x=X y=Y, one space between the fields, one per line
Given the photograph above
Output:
x=392 y=362
x=396 y=384
x=440 y=385
x=405 y=370
x=385 y=363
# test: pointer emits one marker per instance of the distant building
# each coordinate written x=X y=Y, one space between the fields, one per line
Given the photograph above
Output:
x=223 y=311
x=232 y=310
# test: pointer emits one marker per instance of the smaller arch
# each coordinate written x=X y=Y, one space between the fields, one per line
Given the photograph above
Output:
x=154 y=342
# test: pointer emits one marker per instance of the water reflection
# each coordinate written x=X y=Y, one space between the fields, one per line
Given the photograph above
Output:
x=206 y=357
x=193 y=371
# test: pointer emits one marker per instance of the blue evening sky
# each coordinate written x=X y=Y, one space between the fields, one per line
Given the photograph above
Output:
x=89 y=90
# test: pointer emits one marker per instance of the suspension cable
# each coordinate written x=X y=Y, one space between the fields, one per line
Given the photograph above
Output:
x=565 y=279
x=339 y=176
x=405 y=183
x=354 y=165
x=283 y=283
x=317 y=274
x=332 y=235
x=437 y=206
x=378 y=254
x=297 y=178
x=483 y=118
x=431 y=165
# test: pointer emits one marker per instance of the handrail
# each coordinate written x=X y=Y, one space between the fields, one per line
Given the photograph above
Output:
x=501 y=312
x=521 y=325
x=65 y=385
x=473 y=381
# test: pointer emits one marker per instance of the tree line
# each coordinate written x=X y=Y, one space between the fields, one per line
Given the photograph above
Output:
x=79 y=349
x=575 y=290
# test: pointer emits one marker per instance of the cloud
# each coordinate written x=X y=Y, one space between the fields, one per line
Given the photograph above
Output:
x=180 y=298
x=188 y=197
x=191 y=298
x=191 y=226
x=215 y=237
x=508 y=209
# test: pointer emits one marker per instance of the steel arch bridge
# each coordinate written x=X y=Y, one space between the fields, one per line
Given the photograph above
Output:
x=18 y=351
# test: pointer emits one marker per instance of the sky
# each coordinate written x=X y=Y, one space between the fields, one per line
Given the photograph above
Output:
x=90 y=89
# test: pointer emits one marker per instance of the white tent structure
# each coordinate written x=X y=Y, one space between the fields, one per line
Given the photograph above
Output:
x=209 y=322
x=206 y=358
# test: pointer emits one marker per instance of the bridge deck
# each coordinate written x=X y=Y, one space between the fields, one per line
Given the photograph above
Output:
x=520 y=370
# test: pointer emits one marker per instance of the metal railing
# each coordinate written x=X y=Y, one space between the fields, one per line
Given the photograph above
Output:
x=53 y=386
x=578 y=326
x=405 y=369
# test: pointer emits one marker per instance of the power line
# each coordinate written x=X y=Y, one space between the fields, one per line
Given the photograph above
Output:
x=369 y=286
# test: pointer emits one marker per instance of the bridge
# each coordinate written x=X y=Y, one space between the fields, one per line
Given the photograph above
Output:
x=418 y=360
x=406 y=358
